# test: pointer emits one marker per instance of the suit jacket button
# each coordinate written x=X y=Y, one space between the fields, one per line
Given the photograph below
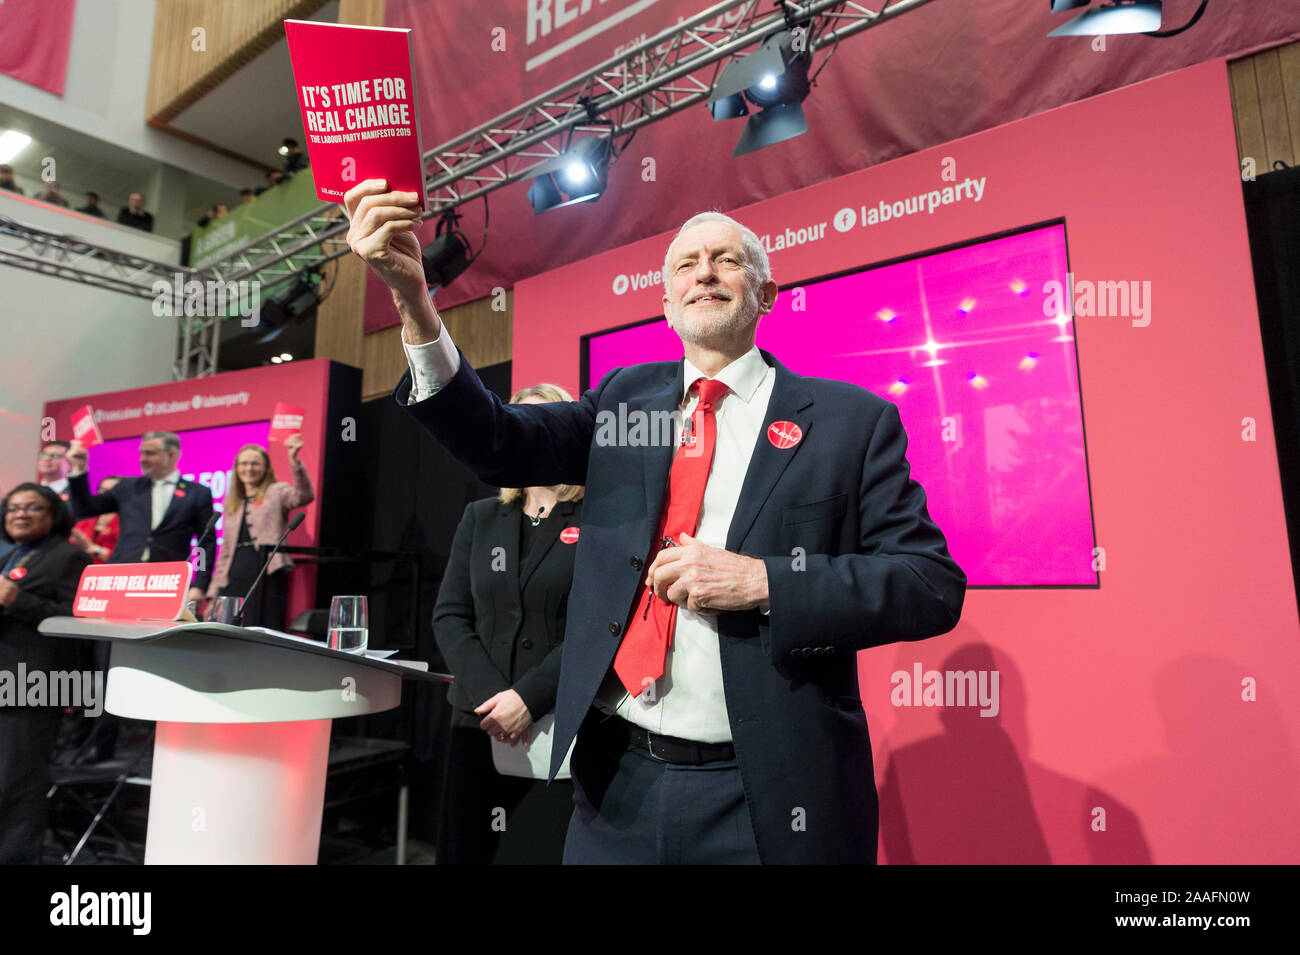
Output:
x=636 y=563
x=614 y=628
x=526 y=644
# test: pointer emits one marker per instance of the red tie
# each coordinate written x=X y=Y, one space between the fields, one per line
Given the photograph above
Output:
x=640 y=658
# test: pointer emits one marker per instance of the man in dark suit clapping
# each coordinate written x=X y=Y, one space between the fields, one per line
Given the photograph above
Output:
x=159 y=512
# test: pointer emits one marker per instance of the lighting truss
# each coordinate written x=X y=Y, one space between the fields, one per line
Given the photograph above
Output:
x=665 y=74
x=658 y=77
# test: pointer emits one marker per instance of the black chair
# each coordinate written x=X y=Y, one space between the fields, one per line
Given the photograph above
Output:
x=313 y=623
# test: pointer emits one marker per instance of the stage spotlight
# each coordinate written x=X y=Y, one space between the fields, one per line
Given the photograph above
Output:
x=1142 y=16
x=576 y=174
x=582 y=169
x=448 y=255
x=289 y=305
x=1119 y=16
x=775 y=79
x=727 y=101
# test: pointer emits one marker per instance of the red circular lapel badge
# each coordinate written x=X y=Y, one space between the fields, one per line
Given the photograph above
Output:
x=18 y=573
x=569 y=535
x=784 y=434
x=180 y=493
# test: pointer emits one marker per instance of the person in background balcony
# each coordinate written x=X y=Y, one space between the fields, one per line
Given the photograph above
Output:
x=134 y=215
x=52 y=195
x=91 y=208
x=7 y=179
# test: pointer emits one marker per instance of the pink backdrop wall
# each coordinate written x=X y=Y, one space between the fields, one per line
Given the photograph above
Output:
x=1154 y=718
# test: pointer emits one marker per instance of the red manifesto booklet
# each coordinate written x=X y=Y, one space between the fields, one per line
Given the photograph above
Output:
x=356 y=91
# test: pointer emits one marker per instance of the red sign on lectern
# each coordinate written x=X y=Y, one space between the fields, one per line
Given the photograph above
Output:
x=133 y=591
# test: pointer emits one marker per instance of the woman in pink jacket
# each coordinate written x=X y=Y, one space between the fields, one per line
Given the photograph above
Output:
x=257 y=509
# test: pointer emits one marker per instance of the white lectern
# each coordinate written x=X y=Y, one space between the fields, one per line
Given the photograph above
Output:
x=243 y=731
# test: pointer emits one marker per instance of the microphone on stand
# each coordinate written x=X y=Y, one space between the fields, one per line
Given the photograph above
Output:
x=293 y=525
x=207 y=529
x=212 y=522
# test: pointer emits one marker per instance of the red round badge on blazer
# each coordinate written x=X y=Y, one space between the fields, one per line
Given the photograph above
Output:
x=569 y=535
x=784 y=434
x=18 y=573
x=180 y=493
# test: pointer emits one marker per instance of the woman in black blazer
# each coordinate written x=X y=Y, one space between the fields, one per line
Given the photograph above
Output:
x=499 y=623
x=38 y=579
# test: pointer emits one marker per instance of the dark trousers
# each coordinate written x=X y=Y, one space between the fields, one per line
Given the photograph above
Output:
x=27 y=737
x=488 y=818
x=638 y=810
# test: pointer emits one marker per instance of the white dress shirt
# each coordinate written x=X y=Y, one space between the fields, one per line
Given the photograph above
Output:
x=688 y=700
x=163 y=489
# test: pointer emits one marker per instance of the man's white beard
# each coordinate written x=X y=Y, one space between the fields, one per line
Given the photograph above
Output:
x=698 y=328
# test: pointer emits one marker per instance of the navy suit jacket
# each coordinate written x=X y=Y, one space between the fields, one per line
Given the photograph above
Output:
x=132 y=498
x=853 y=561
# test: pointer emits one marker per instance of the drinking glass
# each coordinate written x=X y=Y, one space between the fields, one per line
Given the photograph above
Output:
x=224 y=610
x=348 y=628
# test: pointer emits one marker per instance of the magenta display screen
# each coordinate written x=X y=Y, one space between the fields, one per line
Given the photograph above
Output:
x=207 y=455
x=985 y=380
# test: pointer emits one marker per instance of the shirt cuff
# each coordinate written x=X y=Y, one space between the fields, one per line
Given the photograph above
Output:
x=432 y=365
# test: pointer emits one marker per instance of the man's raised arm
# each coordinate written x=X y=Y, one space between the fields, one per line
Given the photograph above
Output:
x=80 y=500
x=505 y=445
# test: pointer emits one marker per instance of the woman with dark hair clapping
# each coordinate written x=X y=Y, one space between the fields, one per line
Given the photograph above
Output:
x=38 y=579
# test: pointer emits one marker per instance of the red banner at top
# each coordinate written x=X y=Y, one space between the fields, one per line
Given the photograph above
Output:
x=35 y=37
x=356 y=91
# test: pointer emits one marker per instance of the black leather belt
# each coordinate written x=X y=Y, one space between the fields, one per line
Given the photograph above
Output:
x=668 y=749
